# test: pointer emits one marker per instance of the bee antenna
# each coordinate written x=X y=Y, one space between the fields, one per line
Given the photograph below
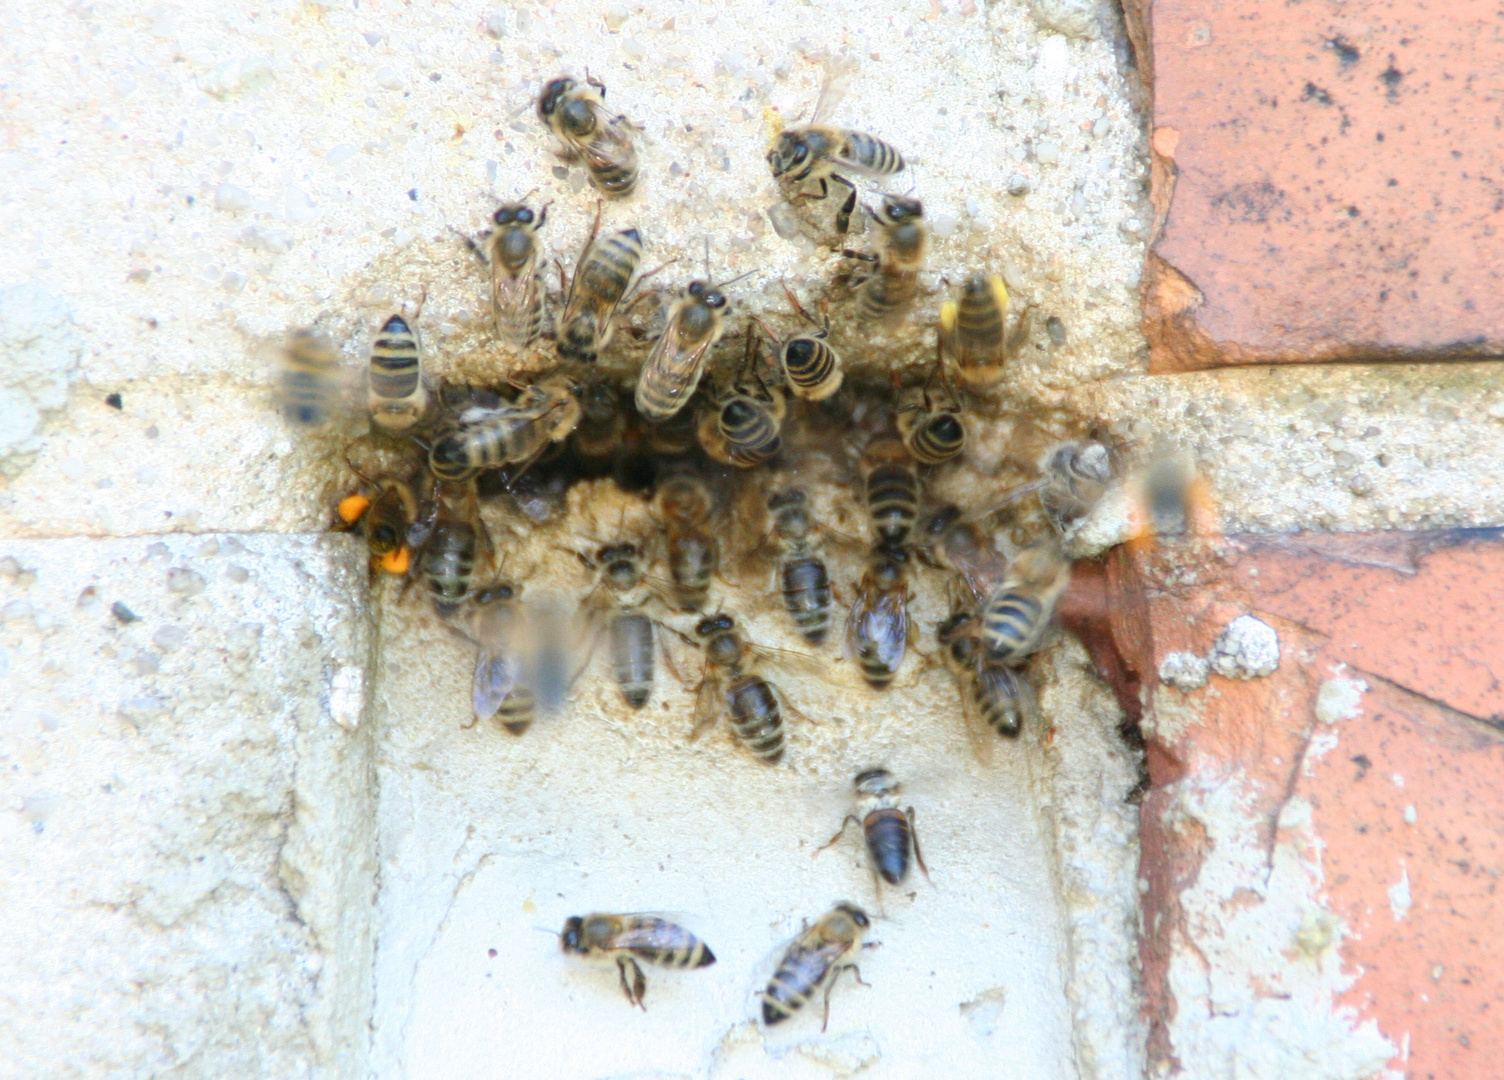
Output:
x=733 y=281
x=546 y=930
x=707 y=256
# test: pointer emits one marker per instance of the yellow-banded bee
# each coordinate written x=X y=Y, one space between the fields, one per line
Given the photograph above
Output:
x=511 y=433
x=803 y=578
x=811 y=368
x=1077 y=475
x=577 y=116
x=685 y=505
x=673 y=368
x=617 y=600
x=993 y=696
x=513 y=252
x=745 y=427
x=813 y=961
x=878 y=630
x=629 y=938
x=602 y=277
x=960 y=543
x=396 y=394
x=902 y=239
x=754 y=706
x=974 y=331
x=892 y=489
x=452 y=544
x=495 y=621
x=384 y=516
x=888 y=831
x=815 y=152
x=932 y=425
x=309 y=386
x=1017 y=612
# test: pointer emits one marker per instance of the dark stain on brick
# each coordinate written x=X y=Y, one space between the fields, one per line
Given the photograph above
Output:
x=1346 y=53
x=1250 y=203
x=1316 y=94
x=1391 y=77
x=1363 y=764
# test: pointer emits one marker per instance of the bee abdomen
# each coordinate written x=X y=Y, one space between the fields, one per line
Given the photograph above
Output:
x=875 y=670
x=450 y=561
x=888 y=841
x=979 y=318
x=751 y=432
x=609 y=270
x=691 y=562
x=1010 y=626
x=811 y=367
x=681 y=949
x=632 y=657
x=872 y=154
x=893 y=498
x=616 y=180
x=997 y=693
x=938 y=439
x=887 y=292
x=800 y=974
x=756 y=717
x=518 y=711
x=395 y=372
x=806 y=593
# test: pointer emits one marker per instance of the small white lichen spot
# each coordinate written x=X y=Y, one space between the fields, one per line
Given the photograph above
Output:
x=1248 y=648
x=1073 y=18
x=1183 y=671
x=1339 y=699
x=347 y=696
x=1399 y=894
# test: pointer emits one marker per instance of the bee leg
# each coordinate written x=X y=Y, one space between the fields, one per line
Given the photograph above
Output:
x=638 y=985
x=831 y=842
x=825 y=1023
x=914 y=836
x=843 y=218
x=1019 y=337
x=668 y=657
x=472 y=245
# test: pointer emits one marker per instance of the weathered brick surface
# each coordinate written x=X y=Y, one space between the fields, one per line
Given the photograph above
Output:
x=1368 y=761
x=1327 y=180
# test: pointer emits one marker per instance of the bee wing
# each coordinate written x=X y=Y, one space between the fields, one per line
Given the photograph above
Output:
x=832 y=88
x=881 y=625
x=678 y=360
x=652 y=931
x=612 y=145
x=708 y=703
x=495 y=676
x=513 y=298
x=791 y=658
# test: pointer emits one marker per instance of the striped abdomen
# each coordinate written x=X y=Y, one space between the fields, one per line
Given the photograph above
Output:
x=632 y=657
x=888 y=292
x=506 y=435
x=869 y=154
x=998 y=698
x=449 y=560
x=518 y=711
x=665 y=944
x=308 y=378
x=888 y=841
x=396 y=397
x=587 y=322
x=977 y=332
x=1012 y=623
x=812 y=368
x=806 y=593
x=692 y=559
x=756 y=717
x=612 y=160
x=751 y=430
x=803 y=971
x=893 y=501
x=936 y=438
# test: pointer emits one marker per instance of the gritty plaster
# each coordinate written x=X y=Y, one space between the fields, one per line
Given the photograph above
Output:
x=188 y=830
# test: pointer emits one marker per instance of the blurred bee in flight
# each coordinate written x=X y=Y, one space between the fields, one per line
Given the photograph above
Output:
x=813 y=961
x=309 y=386
x=629 y=938
x=577 y=116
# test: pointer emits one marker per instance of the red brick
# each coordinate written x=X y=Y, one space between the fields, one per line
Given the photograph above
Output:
x=1328 y=180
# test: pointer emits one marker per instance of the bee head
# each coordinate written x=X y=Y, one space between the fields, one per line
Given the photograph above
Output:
x=617 y=552
x=571 y=939
x=395 y=325
x=788 y=153
x=386 y=537
x=553 y=93
x=875 y=782
x=714 y=624
x=855 y=914
x=447 y=458
x=504 y=590
x=897 y=209
x=784 y=499
x=948 y=631
x=947 y=428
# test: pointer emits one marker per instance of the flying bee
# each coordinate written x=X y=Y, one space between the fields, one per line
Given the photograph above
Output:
x=518 y=432
x=309 y=386
x=889 y=831
x=993 y=696
x=396 y=395
x=813 y=961
x=932 y=427
x=878 y=630
x=902 y=239
x=974 y=331
x=629 y=938
x=1077 y=476
x=495 y=622
x=513 y=253
x=892 y=489
x=384 y=517
x=745 y=427
x=754 y=706
x=803 y=578
x=577 y=116
x=1018 y=611
x=456 y=539
x=602 y=277
x=811 y=368
x=673 y=368
x=685 y=505
x=617 y=602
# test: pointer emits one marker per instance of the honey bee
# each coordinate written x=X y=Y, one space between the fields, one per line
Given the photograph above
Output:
x=745 y=427
x=802 y=576
x=684 y=506
x=384 y=517
x=617 y=599
x=974 y=331
x=811 y=368
x=511 y=433
x=889 y=831
x=396 y=394
x=629 y=938
x=993 y=696
x=813 y=961
x=495 y=622
x=513 y=253
x=932 y=427
x=673 y=368
x=892 y=490
x=1018 y=611
x=455 y=542
x=754 y=705
x=891 y=288
x=878 y=630
x=603 y=425
x=1077 y=475
x=960 y=543
x=602 y=277
x=309 y=386
x=577 y=116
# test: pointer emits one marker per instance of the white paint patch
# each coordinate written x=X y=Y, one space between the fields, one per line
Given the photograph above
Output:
x=1399 y=894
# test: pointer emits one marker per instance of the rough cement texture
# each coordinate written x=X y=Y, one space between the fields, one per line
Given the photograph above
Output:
x=187 y=852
